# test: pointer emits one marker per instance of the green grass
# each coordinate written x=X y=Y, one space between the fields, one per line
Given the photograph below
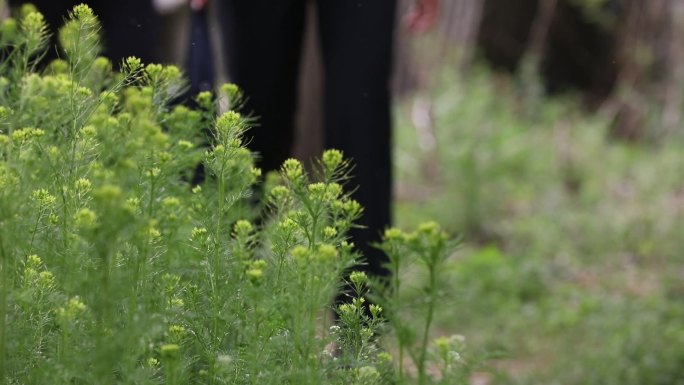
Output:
x=571 y=268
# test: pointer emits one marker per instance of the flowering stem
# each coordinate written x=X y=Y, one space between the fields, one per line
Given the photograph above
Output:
x=141 y=271
x=432 y=299
x=395 y=293
x=3 y=304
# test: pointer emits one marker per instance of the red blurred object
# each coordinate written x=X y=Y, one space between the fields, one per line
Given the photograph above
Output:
x=423 y=15
x=198 y=5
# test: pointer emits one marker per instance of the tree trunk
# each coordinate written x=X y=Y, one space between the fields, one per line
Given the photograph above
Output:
x=650 y=60
x=309 y=121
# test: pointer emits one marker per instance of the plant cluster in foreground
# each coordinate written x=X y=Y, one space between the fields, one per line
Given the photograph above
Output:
x=117 y=268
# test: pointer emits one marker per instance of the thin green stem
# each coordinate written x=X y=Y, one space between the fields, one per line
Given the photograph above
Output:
x=3 y=304
x=395 y=295
x=432 y=299
x=214 y=264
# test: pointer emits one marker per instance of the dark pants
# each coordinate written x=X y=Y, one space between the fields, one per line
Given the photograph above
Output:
x=263 y=41
x=130 y=27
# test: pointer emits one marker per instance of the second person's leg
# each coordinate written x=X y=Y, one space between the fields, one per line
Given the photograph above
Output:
x=262 y=40
x=356 y=39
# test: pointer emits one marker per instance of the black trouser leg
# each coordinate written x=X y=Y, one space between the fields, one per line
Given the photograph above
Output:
x=356 y=38
x=263 y=42
x=130 y=27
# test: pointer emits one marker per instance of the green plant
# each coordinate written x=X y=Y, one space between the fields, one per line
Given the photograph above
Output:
x=117 y=269
x=429 y=248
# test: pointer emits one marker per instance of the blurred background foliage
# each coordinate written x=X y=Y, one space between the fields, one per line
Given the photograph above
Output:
x=549 y=134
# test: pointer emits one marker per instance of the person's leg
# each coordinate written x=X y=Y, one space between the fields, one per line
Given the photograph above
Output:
x=130 y=28
x=263 y=41
x=356 y=38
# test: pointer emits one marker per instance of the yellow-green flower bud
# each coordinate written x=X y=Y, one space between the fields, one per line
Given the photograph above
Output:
x=153 y=234
x=88 y=131
x=108 y=193
x=26 y=134
x=358 y=278
x=279 y=194
x=43 y=197
x=197 y=233
x=33 y=24
x=83 y=12
x=242 y=228
x=332 y=159
x=394 y=234
x=170 y=202
x=85 y=218
x=185 y=145
x=231 y=90
x=293 y=170
x=254 y=275
x=8 y=30
x=154 y=172
x=171 y=73
x=102 y=64
x=227 y=122
x=170 y=351
x=177 y=303
x=4 y=111
x=258 y=264
x=255 y=172
x=367 y=374
x=333 y=191
x=329 y=232
x=317 y=189
x=33 y=261
x=326 y=252
x=132 y=205
x=71 y=310
x=177 y=333
x=384 y=357
x=300 y=253
x=154 y=71
x=205 y=99
x=352 y=208
x=82 y=184
x=132 y=64
x=288 y=225
x=46 y=279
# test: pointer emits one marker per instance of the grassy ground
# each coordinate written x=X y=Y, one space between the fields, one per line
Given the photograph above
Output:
x=571 y=270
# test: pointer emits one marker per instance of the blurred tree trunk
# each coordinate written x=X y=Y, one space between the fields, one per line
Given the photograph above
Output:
x=504 y=30
x=672 y=107
x=531 y=69
x=421 y=59
x=452 y=41
x=540 y=30
x=459 y=25
x=650 y=60
x=309 y=121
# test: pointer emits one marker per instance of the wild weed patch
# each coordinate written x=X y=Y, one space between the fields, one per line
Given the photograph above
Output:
x=118 y=266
